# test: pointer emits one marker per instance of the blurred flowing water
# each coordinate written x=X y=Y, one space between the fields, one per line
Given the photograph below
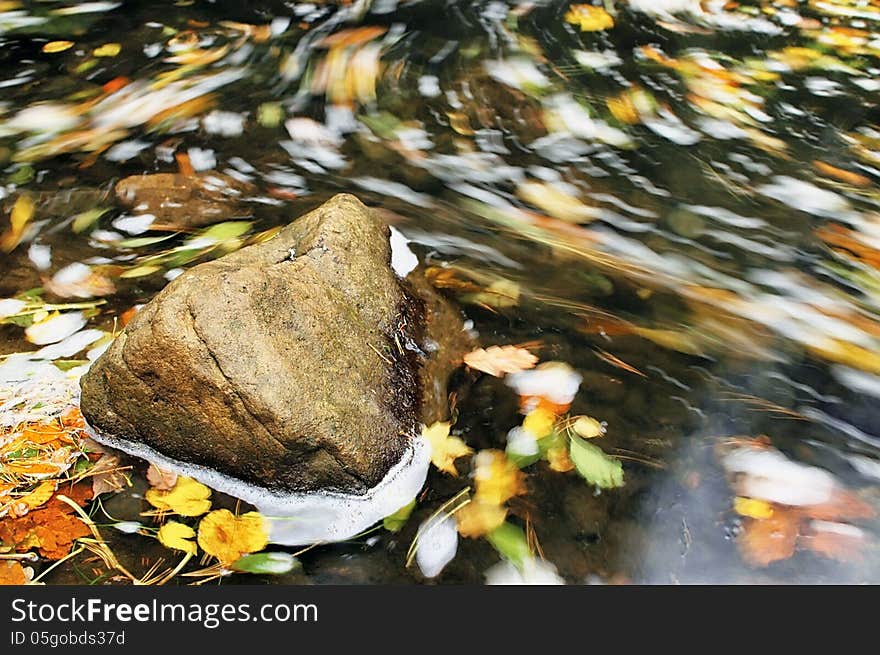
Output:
x=684 y=205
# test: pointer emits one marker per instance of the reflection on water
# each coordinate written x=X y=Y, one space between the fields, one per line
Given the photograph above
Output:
x=680 y=200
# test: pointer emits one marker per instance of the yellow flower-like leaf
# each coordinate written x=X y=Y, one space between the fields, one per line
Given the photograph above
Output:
x=752 y=507
x=445 y=449
x=187 y=498
x=539 y=422
x=497 y=478
x=559 y=459
x=589 y=18
x=227 y=537
x=178 y=536
x=479 y=518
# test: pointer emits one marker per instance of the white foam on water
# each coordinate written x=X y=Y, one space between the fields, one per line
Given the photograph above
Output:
x=297 y=519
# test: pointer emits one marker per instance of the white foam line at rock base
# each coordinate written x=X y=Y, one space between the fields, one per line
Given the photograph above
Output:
x=297 y=519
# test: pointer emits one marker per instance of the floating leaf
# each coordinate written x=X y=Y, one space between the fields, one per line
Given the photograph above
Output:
x=497 y=479
x=539 y=422
x=498 y=360
x=266 y=563
x=752 y=507
x=589 y=18
x=478 y=518
x=84 y=220
x=12 y=573
x=444 y=448
x=22 y=212
x=227 y=537
x=588 y=427
x=594 y=465
x=161 y=479
x=763 y=542
x=394 y=522
x=178 y=536
x=107 y=50
x=187 y=498
x=511 y=543
x=57 y=46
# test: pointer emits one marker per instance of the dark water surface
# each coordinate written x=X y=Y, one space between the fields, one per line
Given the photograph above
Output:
x=686 y=205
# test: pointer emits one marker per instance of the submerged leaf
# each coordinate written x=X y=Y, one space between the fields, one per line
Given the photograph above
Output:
x=511 y=543
x=394 y=522
x=478 y=518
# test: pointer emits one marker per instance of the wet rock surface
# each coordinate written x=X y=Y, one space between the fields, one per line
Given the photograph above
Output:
x=181 y=201
x=300 y=364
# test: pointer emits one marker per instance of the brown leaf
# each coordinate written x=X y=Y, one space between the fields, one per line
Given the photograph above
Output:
x=107 y=476
x=161 y=479
x=51 y=529
x=499 y=360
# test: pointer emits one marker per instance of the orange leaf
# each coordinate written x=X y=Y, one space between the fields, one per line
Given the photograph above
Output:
x=763 y=542
x=183 y=162
x=12 y=573
x=498 y=360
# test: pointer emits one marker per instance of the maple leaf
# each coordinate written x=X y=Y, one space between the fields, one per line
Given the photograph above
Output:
x=499 y=360
x=178 y=536
x=187 y=498
x=227 y=537
x=444 y=448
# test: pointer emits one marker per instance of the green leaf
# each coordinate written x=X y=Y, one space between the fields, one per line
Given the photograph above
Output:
x=140 y=242
x=140 y=271
x=511 y=543
x=227 y=230
x=266 y=563
x=594 y=465
x=270 y=114
x=83 y=221
x=394 y=522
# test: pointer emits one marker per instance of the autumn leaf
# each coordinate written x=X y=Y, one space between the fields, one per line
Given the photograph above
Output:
x=587 y=427
x=839 y=541
x=589 y=18
x=752 y=508
x=539 y=422
x=187 y=498
x=12 y=573
x=498 y=295
x=594 y=465
x=497 y=479
x=478 y=518
x=394 y=522
x=444 y=448
x=107 y=50
x=40 y=495
x=559 y=459
x=227 y=537
x=178 y=536
x=57 y=46
x=763 y=542
x=22 y=212
x=498 y=360
x=160 y=479
x=51 y=528
x=107 y=476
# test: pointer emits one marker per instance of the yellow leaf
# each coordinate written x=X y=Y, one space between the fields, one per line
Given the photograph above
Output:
x=539 y=422
x=107 y=50
x=177 y=535
x=497 y=478
x=753 y=508
x=445 y=449
x=559 y=459
x=589 y=18
x=557 y=200
x=57 y=46
x=478 y=518
x=588 y=427
x=498 y=360
x=40 y=495
x=187 y=498
x=227 y=537
x=499 y=294
x=22 y=212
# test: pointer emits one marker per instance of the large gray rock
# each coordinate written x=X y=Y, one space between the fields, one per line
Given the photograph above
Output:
x=302 y=364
